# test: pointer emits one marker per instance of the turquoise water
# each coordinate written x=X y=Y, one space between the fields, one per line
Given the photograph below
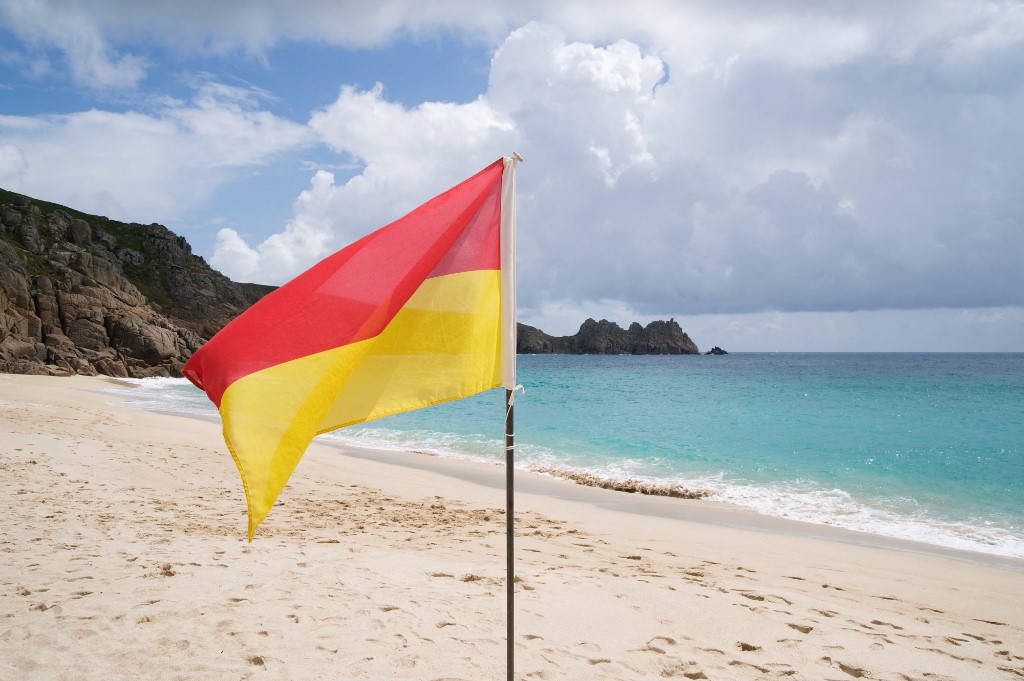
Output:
x=927 y=447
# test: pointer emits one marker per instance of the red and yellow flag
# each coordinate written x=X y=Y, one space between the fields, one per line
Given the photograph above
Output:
x=419 y=312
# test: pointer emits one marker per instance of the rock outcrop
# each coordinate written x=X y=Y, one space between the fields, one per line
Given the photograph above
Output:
x=608 y=338
x=83 y=294
x=716 y=351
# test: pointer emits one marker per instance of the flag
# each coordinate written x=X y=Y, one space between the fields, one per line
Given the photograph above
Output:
x=419 y=312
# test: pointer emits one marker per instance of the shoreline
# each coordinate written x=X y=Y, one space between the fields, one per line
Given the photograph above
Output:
x=690 y=506
x=125 y=555
x=699 y=511
x=865 y=520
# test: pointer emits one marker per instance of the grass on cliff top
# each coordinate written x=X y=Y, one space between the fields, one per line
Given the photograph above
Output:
x=124 y=233
x=7 y=196
x=254 y=292
x=125 y=237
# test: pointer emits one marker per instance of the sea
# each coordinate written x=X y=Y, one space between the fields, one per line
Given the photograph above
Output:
x=926 y=447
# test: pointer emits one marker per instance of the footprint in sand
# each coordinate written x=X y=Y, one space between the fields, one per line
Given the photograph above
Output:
x=998 y=624
x=1007 y=655
x=887 y=624
x=850 y=670
x=685 y=670
x=667 y=640
x=741 y=663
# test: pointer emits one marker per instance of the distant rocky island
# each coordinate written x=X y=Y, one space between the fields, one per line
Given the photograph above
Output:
x=83 y=294
x=608 y=338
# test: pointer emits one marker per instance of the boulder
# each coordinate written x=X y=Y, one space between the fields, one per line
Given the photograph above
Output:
x=47 y=308
x=142 y=340
x=15 y=348
x=130 y=257
x=57 y=225
x=14 y=284
x=11 y=217
x=79 y=232
x=104 y=239
x=87 y=330
x=23 y=366
x=30 y=236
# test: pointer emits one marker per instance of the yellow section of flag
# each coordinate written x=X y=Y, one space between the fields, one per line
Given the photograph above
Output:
x=445 y=339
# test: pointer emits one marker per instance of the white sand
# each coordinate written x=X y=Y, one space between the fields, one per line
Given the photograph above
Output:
x=122 y=555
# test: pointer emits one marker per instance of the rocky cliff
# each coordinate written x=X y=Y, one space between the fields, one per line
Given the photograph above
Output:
x=608 y=338
x=83 y=294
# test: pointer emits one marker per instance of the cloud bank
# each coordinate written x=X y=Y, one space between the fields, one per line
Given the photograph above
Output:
x=739 y=187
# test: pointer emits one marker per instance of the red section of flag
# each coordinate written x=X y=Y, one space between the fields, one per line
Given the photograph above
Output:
x=353 y=294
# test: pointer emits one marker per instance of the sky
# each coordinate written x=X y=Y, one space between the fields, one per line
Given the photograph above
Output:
x=784 y=176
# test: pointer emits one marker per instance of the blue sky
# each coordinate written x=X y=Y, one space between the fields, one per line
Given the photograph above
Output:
x=783 y=176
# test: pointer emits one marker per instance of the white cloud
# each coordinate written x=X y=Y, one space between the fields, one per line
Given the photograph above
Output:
x=158 y=165
x=694 y=36
x=88 y=56
x=413 y=145
x=588 y=97
x=86 y=34
x=409 y=156
x=12 y=165
x=233 y=257
x=308 y=237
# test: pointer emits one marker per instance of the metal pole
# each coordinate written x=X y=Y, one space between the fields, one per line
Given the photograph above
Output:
x=510 y=538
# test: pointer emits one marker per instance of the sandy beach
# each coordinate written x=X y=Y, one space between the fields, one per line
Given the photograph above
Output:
x=124 y=556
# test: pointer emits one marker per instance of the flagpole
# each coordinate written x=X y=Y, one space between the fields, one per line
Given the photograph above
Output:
x=508 y=379
x=510 y=537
